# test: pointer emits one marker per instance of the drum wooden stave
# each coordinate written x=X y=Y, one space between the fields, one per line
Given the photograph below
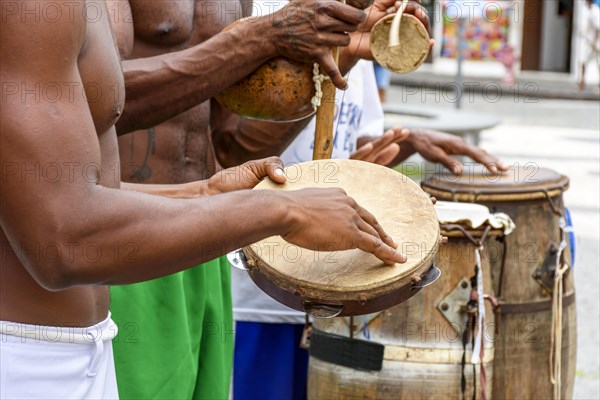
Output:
x=352 y=281
x=532 y=197
x=423 y=349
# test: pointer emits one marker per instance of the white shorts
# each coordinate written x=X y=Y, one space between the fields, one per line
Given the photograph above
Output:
x=43 y=362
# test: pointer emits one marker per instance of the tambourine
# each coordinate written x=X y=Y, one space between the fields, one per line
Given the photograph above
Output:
x=351 y=282
x=400 y=52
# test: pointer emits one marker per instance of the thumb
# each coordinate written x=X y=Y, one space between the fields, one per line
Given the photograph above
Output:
x=271 y=167
x=274 y=169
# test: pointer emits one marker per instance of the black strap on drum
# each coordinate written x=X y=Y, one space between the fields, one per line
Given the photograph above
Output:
x=351 y=353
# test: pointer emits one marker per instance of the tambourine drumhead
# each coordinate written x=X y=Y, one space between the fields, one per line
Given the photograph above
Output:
x=526 y=182
x=351 y=276
x=413 y=48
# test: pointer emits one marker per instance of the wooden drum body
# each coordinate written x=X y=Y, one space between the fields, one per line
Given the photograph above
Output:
x=422 y=338
x=351 y=282
x=523 y=274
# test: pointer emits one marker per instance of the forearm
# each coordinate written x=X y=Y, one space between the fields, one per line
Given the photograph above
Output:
x=152 y=236
x=161 y=87
x=237 y=140
x=189 y=190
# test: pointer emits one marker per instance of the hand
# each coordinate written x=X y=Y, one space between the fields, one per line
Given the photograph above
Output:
x=360 y=40
x=437 y=147
x=245 y=176
x=327 y=219
x=306 y=30
x=381 y=150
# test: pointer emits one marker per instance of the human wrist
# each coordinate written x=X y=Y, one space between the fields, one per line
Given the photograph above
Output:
x=287 y=213
x=265 y=30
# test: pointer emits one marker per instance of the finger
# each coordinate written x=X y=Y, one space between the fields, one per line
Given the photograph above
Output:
x=436 y=154
x=384 y=5
x=363 y=226
x=383 y=141
x=386 y=156
x=379 y=249
x=481 y=156
x=328 y=65
x=372 y=221
x=333 y=39
x=502 y=166
x=419 y=12
x=328 y=24
x=344 y=12
x=271 y=167
x=362 y=152
x=400 y=134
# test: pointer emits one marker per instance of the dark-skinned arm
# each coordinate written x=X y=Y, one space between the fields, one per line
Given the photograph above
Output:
x=161 y=87
x=169 y=234
x=237 y=140
x=245 y=176
x=397 y=144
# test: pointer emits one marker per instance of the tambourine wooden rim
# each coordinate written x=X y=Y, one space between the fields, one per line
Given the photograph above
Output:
x=343 y=291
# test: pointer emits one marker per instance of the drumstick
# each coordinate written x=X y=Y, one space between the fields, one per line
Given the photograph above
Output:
x=324 y=124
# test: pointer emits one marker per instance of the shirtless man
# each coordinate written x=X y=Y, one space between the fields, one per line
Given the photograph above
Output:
x=69 y=229
x=175 y=61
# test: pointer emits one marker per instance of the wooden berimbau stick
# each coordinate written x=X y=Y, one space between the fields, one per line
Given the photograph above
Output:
x=324 y=124
x=325 y=113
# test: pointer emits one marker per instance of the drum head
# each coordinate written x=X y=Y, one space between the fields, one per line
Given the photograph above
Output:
x=400 y=206
x=518 y=183
x=412 y=51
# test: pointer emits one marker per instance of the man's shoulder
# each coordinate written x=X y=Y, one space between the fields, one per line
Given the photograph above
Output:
x=47 y=26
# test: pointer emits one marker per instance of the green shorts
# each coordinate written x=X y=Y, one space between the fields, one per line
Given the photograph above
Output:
x=175 y=335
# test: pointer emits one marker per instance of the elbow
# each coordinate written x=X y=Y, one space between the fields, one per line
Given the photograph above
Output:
x=60 y=263
x=52 y=274
x=55 y=281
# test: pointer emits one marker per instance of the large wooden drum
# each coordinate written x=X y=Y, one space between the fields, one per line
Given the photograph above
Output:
x=525 y=279
x=424 y=343
x=351 y=282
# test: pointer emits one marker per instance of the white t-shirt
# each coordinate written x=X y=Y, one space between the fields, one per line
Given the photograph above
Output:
x=593 y=26
x=358 y=112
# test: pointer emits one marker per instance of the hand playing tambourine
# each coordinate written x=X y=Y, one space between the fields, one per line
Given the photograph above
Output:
x=397 y=144
x=359 y=47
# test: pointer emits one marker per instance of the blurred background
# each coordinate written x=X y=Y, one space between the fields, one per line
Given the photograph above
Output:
x=514 y=70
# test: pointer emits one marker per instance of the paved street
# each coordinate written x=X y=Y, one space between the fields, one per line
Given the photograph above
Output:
x=563 y=135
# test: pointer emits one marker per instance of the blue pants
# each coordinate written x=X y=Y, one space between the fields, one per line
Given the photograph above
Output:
x=382 y=76
x=268 y=362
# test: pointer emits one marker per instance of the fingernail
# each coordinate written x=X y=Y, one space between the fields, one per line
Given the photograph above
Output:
x=394 y=242
x=401 y=257
x=279 y=172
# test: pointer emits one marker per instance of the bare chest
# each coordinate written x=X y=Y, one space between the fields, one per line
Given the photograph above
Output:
x=162 y=26
x=101 y=74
